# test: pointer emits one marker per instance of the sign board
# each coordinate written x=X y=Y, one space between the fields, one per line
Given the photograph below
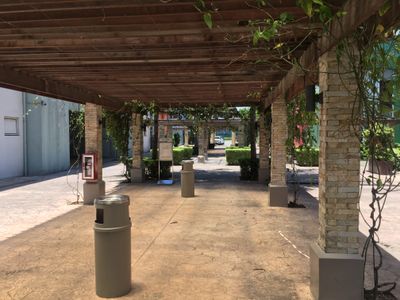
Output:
x=89 y=170
x=165 y=153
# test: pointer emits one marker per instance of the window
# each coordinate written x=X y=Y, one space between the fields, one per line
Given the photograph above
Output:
x=11 y=126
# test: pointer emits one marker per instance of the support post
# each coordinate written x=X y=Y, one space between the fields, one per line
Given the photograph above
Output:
x=252 y=132
x=240 y=136
x=233 y=138
x=202 y=143
x=186 y=134
x=137 y=171
x=154 y=152
x=93 y=144
x=278 y=191
x=336 y=266
x=264 y=143
x=212 y=136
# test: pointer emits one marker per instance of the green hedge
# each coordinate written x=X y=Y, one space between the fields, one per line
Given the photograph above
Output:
x=234 y=154
x=307 y=157
x=182 y=153
x=151 y=168
x=248 y=169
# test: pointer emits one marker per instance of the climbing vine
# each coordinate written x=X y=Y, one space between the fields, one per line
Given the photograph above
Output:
x=118 y=128
x=373 y=55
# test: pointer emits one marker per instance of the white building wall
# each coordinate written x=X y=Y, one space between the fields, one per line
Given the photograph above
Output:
x=47 y=135
x=11 y=146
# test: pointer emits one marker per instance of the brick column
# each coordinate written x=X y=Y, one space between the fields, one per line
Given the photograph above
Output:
x=212 y=136
x=206 y=141
x=240 y=136
x=278 y=192
x=93 y=144
x=202 y=141
x=137 y=171
x=186 y=136
x=263 y=140
x=233 y=139
x=336 y=266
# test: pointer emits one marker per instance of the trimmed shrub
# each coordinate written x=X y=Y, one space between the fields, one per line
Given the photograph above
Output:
x=151 y=168
x=307 y=157
x=234 y=154
x=182 y=153
x=248 y=169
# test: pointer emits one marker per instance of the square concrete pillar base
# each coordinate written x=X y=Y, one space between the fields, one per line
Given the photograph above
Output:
x=278 y=195
x=137 y=175
x=201 y=159
x=92 y=190
x=335 y=276
x=263 y=175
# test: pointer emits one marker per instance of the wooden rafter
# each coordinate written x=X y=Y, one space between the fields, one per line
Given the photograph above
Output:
x=112 y=51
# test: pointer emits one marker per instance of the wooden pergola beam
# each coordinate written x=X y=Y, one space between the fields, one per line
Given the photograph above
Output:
x=219 y=123
x=12 y=79
x=146 y=50
x=296 y=79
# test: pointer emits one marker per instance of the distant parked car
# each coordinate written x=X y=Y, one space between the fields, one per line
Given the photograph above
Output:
x=219 y=140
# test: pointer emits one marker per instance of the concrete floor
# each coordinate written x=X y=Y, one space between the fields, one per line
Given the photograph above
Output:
x=26 y=202
x=223 y=244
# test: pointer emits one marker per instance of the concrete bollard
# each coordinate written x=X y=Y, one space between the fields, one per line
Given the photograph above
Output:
x=187 y=179
x=112 y=243
x=201 y=159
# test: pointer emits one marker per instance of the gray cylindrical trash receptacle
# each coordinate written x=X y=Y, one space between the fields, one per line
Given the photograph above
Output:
x=112 y=243
x=187 y=179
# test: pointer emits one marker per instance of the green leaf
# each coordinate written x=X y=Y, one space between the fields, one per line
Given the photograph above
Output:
x=341 y=13
x=307 y=6
x=286 y=17
x=384 y=8
x=261 y=2
x=208 y=19
x=279 y=45
x=255 y=39
x=379 y=183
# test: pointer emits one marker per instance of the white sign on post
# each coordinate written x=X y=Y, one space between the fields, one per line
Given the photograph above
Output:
x=165 y=153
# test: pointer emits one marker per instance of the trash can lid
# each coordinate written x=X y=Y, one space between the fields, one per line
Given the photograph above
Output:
x=112 y=200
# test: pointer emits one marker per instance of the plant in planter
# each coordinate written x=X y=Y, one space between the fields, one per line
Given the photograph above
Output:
x=249 y=169
x=382 y=140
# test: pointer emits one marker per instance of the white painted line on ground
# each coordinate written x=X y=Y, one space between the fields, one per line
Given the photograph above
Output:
x=293 y=245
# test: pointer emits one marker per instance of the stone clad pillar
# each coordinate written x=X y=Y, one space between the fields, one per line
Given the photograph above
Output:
x=93 y=144
x=137 y=171
x=263 y=170
x=186 y=136
x=233 y=139
x=212 y=136
x=202 y=139
x=240 y=136
x=278 y=191
x=336 y=266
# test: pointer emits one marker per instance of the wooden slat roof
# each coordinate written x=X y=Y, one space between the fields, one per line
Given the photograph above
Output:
x=112 y=51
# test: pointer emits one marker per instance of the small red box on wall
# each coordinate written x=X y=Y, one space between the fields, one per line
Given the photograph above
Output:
x=89 y=167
